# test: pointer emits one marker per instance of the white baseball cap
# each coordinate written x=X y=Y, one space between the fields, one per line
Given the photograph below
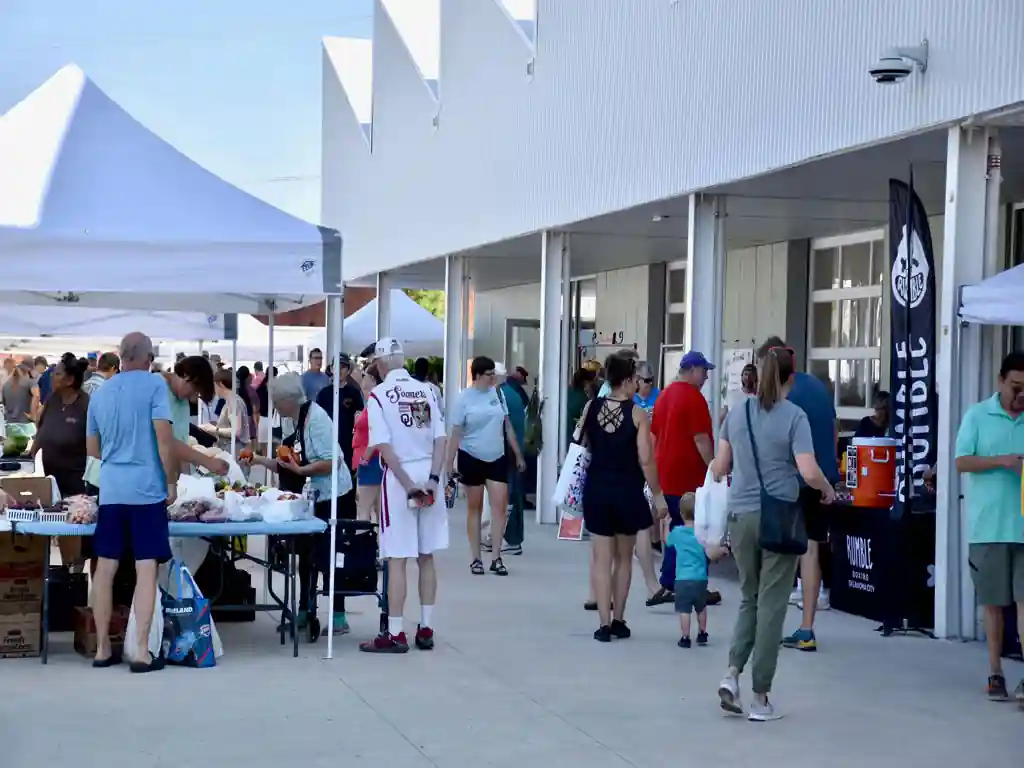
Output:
x=388 y=346
x=499 y=369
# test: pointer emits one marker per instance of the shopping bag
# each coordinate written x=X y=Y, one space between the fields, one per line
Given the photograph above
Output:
x=711 y=513
x=189 y=640
x=485 y=517
x=156 y=630
x=569 y=489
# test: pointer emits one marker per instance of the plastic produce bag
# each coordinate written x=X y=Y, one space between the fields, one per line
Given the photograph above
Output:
x=189 y=623
x=569 y=489
x=711 y=513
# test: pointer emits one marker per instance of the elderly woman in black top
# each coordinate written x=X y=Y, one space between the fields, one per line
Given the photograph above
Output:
x=61 y=438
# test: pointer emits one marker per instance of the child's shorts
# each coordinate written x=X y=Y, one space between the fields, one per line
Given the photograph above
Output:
x=691 y=596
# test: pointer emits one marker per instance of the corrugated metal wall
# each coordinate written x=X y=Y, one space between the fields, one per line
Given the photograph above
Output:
x=755 y=295
x=635 y=101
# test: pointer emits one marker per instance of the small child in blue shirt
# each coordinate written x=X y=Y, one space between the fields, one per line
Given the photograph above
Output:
x=691 y=587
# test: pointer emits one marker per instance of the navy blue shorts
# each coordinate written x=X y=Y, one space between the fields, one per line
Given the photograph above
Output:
x=140 y=529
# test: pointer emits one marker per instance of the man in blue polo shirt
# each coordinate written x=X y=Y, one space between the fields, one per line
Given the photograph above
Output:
x=129 y=430
x=989 y=450
x=815 y=399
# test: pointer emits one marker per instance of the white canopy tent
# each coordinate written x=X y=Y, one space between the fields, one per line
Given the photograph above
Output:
x=98 y=211
x=76 y=322
x=995 y=301
x=419 y=331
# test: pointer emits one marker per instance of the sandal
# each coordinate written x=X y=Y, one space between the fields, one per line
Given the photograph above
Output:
x=477 y=568
x=141 y=667
x=498 y=568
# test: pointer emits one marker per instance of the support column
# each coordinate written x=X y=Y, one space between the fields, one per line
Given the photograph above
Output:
x=705 y=288
x=959 y=375
x=456 y=325
x=554 y=280
x=383 y=305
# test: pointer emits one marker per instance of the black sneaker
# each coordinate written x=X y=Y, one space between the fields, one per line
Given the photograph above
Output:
x=684 y=642
x=996 y=688
x=702 y=638
x=714 y=597
x=619 y=629
x=603 y=634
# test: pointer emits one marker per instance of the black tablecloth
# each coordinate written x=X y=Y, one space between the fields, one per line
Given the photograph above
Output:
x=883 y=565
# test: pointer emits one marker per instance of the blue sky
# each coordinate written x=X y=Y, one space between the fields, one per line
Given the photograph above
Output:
x=234 y=84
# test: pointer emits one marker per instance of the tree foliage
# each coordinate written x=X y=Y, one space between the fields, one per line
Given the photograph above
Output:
x=432 y=301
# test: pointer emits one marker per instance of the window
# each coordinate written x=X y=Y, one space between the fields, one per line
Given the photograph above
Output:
x=675 y=303
x=845 y=319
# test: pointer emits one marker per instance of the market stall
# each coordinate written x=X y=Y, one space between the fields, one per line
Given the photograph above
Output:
x=96 y=211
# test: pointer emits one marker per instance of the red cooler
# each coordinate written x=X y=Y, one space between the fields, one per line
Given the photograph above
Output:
x=871 y=471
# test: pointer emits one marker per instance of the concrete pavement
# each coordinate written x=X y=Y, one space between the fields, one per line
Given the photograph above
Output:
x=516 y=680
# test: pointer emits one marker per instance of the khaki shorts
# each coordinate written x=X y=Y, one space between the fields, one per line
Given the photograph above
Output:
x=997 y=571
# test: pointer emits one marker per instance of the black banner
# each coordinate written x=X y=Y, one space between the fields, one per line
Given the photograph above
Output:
x=914 y=402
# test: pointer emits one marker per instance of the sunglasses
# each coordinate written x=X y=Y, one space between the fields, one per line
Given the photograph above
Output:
x=647 y=381
x=784 y=349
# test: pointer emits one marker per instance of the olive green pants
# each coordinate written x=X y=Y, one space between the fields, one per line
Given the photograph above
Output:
x=766 y=579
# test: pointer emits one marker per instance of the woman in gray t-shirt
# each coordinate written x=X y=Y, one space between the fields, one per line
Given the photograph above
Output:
x=786 y=453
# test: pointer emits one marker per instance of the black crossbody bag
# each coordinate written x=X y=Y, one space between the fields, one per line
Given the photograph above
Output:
x=782 y=522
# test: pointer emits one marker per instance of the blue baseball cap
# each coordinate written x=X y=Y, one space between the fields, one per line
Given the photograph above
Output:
x=694 y=359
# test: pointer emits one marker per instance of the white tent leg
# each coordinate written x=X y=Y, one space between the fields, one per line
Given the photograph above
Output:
x=233 y=413
x=269 y=375
x=335 y=315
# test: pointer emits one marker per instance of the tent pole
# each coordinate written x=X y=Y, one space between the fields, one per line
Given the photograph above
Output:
x=334 y=304
x=233 y=413
x=269 y=375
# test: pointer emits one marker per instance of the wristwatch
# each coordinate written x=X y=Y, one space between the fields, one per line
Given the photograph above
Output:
x=435 y=478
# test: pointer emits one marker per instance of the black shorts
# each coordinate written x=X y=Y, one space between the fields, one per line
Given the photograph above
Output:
x=473 y=472
x=815 y=515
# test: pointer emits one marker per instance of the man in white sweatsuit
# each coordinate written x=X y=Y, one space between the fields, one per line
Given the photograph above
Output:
x=407 y=429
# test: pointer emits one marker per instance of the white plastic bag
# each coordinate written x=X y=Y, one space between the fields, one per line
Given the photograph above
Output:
x=156 y=631
x=195 y=488
x=569 y=489
x=711 y=513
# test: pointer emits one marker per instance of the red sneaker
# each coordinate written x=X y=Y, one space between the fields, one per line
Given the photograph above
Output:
x=425 y=638
x=386 y=643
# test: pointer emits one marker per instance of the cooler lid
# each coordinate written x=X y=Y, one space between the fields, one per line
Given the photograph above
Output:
x=876 y=442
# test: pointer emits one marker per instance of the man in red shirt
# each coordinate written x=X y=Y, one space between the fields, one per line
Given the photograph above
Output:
x=683 y=448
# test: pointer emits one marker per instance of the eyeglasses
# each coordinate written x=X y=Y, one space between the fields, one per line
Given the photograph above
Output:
x=490 y=373
x=647 y=381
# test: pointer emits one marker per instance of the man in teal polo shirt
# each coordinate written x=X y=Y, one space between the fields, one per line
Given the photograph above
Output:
x=989 y=451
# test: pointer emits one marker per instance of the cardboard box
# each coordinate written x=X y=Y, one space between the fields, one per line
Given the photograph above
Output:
x=20 y=636
x=31 y=491
x=85 y=630
x=16 y=550
x=16 y=593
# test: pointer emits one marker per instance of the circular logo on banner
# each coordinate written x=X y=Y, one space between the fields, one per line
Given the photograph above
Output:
x=212 y=320
x=910 y=272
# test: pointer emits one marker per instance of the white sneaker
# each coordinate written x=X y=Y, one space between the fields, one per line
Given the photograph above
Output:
x=796 y=598
x=762 y=713
x=823 y=601
x=729 y=695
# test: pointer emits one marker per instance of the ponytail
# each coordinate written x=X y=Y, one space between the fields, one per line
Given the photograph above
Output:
x=776 y=370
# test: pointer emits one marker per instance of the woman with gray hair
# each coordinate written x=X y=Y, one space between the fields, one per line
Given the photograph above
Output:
x=311 y=457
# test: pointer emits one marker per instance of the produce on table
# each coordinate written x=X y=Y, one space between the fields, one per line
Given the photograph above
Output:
x=81 y=510
x=189 y=511
x=245 y=454
x=16 y=445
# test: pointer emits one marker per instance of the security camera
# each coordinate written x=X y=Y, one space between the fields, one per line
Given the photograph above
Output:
x=897 y=64
x=890 y=69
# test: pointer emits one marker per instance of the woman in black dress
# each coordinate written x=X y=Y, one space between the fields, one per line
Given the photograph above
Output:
x=615 y=509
